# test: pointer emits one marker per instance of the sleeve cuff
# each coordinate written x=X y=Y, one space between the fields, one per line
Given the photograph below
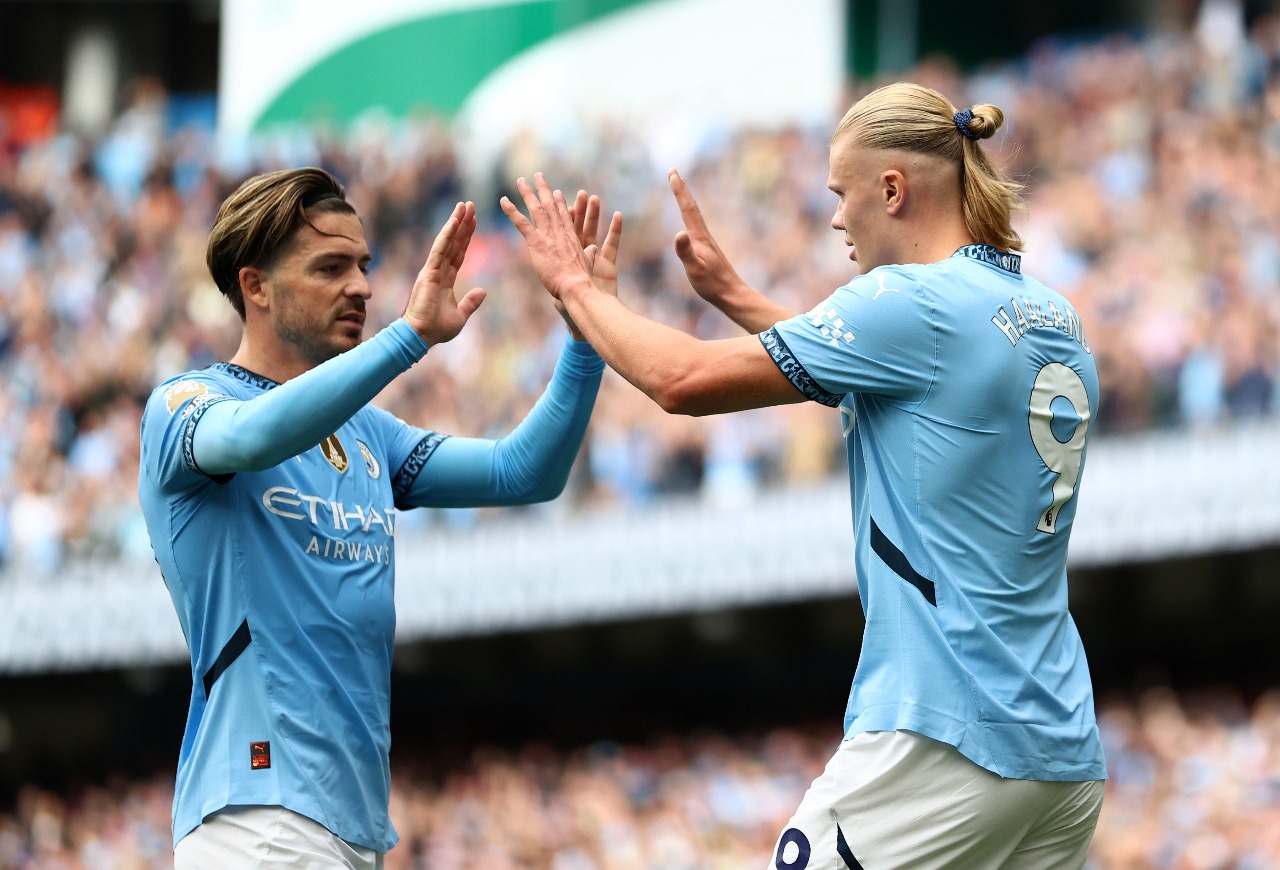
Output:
x=581 y=356
x=406 y=339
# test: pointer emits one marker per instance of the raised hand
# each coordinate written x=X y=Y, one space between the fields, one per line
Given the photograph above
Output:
x=585 y=213
x=553 y=240
x=709 y=271
x=433 y=309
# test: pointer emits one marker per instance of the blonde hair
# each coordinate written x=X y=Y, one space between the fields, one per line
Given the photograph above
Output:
x=912 y=117
x=259 y=220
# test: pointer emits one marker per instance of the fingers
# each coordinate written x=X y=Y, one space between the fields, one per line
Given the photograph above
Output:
x=541 y=204
x=612 y=238
x=440 y=247
x=578 y=211
x=684 y=246
x=590 y=229
x=546 y=199
x=468 y=304
x=555 y=208
x=461 y=239
x=551 y=219
x=689 y=211
x=562 y=208
x=518 y=220
x=531 y=201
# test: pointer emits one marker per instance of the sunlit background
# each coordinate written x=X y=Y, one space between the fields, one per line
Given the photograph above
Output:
x=648 y=672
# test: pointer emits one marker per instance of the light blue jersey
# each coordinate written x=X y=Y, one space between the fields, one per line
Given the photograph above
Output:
x=966 y=392
x=283 y=577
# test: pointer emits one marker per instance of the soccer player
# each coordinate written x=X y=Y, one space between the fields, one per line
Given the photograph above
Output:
x=965 y=391
x=271 y=491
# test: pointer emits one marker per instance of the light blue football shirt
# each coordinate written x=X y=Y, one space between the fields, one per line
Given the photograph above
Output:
x=966 y=392
x=283 y=578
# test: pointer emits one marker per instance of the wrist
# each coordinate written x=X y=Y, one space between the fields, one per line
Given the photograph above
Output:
x=410 y=336
x=577 y=289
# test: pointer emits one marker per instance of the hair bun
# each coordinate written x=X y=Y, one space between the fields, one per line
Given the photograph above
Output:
x=987 y=119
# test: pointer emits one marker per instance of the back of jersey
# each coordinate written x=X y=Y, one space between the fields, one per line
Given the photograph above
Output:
x=1004 y=428
x=967 y=392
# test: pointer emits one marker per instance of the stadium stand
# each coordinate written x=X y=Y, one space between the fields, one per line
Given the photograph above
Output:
x=1152 y=170
x=1149 y=165
x=1193 y=786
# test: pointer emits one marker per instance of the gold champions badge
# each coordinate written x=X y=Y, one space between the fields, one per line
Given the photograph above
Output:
x=333 y=451
x=180 y=392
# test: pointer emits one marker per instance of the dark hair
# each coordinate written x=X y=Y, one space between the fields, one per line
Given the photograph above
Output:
x=260 y=219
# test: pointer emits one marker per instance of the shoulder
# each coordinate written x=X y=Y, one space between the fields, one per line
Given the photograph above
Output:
x=178 y=390
x=181 y=396
x=885 y=297
x=883 y=280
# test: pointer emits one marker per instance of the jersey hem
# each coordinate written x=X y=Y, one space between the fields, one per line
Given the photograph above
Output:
x=1087 y=766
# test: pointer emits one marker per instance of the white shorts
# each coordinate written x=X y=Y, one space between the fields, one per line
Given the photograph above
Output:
x=262 y=837
x=892 y=799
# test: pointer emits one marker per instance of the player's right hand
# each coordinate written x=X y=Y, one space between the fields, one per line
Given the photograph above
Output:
x=585 y=214
x=709 y=270
x=434 y=311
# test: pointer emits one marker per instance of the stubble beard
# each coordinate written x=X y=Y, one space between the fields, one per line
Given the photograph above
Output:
x=307 y=340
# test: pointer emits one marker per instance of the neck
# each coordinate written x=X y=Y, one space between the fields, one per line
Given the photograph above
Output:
x=933 y=241
x=270 y=360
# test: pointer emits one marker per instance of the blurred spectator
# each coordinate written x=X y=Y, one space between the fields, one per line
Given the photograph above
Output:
x=1153 y=172
x=1194 y=785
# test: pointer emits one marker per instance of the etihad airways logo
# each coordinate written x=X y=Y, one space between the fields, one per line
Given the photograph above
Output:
x=287 y=502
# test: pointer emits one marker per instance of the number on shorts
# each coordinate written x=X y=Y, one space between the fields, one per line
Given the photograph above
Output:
x=792 y=859
x=1063 y=458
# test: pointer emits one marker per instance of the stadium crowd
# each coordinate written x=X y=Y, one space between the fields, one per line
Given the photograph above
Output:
x=1153 y=176
x=1194 y=785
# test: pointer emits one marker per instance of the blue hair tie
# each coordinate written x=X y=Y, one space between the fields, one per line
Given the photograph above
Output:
x=962 y=119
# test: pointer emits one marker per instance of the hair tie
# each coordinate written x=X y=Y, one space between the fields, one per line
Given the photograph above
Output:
x=962 y=119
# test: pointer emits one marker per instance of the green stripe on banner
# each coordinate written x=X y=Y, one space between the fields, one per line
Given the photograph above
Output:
x=429 y=64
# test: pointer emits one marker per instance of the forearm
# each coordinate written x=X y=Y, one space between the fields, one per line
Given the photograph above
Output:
x=529 y=465
x=651 y=356
x=295 y=416
x=749 y=308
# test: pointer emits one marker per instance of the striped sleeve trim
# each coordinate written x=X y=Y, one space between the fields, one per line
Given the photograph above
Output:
x=795 y=372
x=193 y=413
x=412 y=467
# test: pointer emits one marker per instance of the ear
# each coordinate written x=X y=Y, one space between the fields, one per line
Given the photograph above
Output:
x=253 y=288
x=894 y=190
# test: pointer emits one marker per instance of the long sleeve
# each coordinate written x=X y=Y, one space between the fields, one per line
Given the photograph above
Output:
x=234 y=436
x=530 y=464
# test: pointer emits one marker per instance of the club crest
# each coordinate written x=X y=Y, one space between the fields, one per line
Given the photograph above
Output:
x=370 y=461
x=333 y=451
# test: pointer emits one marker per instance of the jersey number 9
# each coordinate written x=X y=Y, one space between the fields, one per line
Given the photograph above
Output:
x=1063 y=458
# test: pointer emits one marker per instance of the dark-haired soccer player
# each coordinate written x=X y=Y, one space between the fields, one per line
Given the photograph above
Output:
x=271 y=490
x=965 y=390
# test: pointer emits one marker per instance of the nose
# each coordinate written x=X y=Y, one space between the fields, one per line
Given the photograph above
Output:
x=360 y=286
x=837 y=220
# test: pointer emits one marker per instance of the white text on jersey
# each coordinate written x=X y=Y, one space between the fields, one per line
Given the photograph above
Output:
x=280 y=499
x=1034 y=318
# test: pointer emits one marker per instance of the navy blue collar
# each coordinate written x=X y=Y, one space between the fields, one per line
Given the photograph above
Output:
x=243 y=374
x=1009 y=262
